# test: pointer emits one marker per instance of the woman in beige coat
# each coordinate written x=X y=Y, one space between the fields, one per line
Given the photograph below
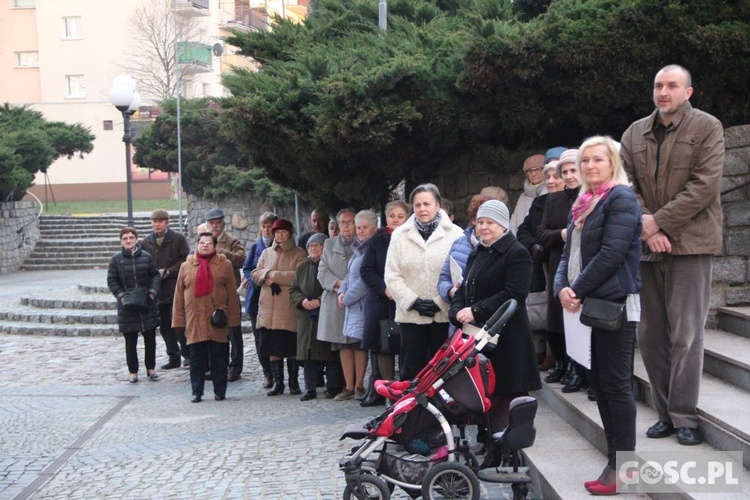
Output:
x=206 y=283
x=277 y=317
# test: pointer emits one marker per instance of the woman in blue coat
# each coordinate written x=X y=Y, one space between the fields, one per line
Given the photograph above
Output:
x=601 y=259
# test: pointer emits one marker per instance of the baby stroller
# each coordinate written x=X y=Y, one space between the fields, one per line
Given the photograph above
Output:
x=412 y=444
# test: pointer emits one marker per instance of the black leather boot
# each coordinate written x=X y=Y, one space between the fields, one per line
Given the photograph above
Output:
x=578 y=381
x=293 y=368
x=557 y=372
x=277 y=369
x=570 y=371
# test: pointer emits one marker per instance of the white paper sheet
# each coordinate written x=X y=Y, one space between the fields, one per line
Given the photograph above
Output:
x=577 y=338
x=457 y=274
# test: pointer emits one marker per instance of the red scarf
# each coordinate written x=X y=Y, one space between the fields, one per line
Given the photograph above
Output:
x=587 y=202
x=204 y=280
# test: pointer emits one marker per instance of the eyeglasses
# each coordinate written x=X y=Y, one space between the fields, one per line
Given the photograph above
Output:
x=533 y=170
x=346 y=222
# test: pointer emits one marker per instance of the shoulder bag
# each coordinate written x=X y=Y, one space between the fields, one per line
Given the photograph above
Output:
x=134 y=299
x=390 y=334
x=603 y=314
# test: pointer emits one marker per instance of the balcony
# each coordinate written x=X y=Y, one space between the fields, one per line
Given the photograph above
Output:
x=194 y=57
x=244 y=18
x=191 y=8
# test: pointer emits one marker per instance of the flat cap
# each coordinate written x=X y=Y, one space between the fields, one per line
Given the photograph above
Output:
x=159 y=214
x=214 y=213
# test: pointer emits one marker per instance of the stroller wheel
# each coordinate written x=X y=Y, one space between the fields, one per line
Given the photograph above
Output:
x=450 y=480
x=520 y=491
x=368 y=487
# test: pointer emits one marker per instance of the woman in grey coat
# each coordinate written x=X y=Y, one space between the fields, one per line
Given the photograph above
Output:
x=337 y=252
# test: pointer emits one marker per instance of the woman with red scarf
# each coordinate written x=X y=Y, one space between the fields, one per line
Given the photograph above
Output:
x=206 y=283
x=601 y=259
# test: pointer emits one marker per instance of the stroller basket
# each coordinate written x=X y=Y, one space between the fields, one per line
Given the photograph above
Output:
x=399 y=464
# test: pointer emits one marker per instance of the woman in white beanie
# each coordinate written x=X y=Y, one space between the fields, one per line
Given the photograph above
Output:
x=500 y=269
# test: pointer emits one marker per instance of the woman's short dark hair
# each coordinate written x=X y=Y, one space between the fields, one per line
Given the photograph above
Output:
x=207 y=233
x=426 y=188
x=128 y=229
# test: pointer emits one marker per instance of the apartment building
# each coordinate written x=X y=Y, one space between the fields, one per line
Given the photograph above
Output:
x=60 y=57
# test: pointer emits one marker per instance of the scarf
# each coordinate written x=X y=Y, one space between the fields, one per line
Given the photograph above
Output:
x=587 y=202
x=204 y=280
x=426 y=229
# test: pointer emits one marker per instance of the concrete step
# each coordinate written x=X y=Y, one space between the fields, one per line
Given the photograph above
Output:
x=80 y=253
x=88 y=243
x=64 y=266
x=722 y=408
x=60 y=316
x=72 y=330
x=727 y=357
x=106 y=304
x=735 y=319
x=561 y=459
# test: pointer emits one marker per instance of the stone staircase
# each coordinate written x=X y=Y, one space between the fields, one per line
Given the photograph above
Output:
x=83 y=310
x=570 y=446
x=82 y=242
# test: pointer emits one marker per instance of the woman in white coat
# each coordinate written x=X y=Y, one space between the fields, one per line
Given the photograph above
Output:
x=415 y=256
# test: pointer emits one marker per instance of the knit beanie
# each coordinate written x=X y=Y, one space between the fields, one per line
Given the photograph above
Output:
x=553 y=154
x=550 y=166
x=495 y=210
x=317 y=238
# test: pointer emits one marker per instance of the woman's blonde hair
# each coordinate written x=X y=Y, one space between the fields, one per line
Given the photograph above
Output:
x=618 y=172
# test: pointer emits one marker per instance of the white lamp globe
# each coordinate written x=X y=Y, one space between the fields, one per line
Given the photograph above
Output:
x=126 y=80
x=135 y=103
x=121 y=96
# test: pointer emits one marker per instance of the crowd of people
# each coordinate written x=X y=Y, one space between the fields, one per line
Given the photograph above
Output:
x=576 y=233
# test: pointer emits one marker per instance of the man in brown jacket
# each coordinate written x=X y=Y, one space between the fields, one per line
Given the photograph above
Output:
x=675 y=158
x=169 y=250
x=235 y=252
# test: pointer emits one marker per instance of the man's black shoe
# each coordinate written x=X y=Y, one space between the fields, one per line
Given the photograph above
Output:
x=233 y=376
x=196 y=398
x=171 y=365
x=219 y=397
x=687 y=436
x=308 y=395
x=660 y=429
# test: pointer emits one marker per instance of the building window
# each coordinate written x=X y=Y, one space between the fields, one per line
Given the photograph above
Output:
x=27 y=59
x=108 y=125
x=73 y=28
x=75 y=86
x=24 y=4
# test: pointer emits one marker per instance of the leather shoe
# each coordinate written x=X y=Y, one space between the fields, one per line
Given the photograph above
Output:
x=687 y=436
x=233 y=376
x=171 y=365
x=196 y=398
x=660 y=429
x=308 y=395
x=590 y=394
x=602 y=489
x=219 y=397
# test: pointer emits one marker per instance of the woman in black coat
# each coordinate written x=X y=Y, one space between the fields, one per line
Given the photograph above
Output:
x=500 y=269
x=552 y=234
x=379 y=304
x=133 y=267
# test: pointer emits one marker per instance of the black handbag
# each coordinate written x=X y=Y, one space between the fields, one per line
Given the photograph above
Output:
x=135 y=299
x=219 y=317
x=603 y=314
x=390 y=334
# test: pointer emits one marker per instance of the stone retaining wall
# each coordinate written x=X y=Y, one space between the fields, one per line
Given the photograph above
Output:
x=19 y=232
x=242 y=216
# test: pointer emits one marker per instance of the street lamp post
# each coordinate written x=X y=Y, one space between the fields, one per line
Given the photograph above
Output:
x=125 y=98
x=383 y=15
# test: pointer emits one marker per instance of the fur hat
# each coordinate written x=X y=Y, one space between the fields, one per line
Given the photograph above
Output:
x=568 y=156
x=159 y=214
x=214 y=213
x=533 y=161
x=550 y=166
x=316 y=238
x=282 y=224
x=495 y=210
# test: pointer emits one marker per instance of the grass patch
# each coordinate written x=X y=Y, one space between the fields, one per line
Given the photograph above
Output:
x=109 y=207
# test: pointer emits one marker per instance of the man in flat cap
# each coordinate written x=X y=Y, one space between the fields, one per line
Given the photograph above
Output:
x=233 y=250
x=169 y=250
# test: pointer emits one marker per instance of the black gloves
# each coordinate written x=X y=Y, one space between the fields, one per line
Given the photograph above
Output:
x=275 y=289
x=537 y=252
x=425 y=307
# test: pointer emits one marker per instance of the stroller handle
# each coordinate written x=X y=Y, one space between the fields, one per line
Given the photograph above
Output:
x=501 y=317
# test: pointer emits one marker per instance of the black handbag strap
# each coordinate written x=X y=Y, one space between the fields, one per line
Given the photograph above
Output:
x=122 y=272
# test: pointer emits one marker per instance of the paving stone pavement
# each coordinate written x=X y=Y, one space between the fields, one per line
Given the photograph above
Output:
x=73 y=427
